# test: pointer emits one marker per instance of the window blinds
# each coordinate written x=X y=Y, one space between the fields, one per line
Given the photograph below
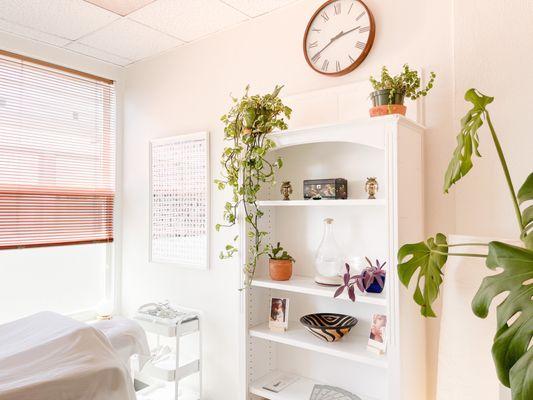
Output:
x=57 y=155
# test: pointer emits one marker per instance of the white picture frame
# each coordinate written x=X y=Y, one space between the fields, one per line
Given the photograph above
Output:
x=278 y=320
x=377 y=338
x=180 y=182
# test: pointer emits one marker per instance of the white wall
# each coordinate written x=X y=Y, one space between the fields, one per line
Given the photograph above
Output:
x=67 y=278
x=188 y=89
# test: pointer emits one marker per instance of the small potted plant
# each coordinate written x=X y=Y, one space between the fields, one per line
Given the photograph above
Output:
x=371 y=280
x=280 y=263
x=390 y=92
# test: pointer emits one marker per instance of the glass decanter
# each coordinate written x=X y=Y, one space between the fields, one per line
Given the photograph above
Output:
x=329 y=258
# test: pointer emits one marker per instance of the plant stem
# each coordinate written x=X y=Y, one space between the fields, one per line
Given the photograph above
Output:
x=462 y=244
x=459 y=254
x=505 y=171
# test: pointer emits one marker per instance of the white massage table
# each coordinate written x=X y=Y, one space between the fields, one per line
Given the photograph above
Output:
x=48 y=356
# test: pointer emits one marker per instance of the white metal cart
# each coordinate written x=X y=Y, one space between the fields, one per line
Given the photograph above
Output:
x=170 y=368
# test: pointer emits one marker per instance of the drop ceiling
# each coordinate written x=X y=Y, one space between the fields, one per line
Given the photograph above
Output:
x=122 y=32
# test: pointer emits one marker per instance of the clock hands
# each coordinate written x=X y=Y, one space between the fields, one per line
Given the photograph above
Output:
x=334 y=38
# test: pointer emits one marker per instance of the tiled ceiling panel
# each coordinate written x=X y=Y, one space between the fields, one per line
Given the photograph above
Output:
x=254 y=8
x=131 y=40
x=99 y=54
x=69 y=19
x=121 y=7
x=188 y=19
x=29 y=33
x=122 y=32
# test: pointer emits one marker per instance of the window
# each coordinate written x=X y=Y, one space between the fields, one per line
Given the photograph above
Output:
x=57 y=155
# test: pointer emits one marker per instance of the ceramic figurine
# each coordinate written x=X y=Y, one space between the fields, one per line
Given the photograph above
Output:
x=371 y=187
x=286 y=190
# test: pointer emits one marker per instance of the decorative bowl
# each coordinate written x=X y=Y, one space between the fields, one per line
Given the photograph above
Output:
x=327 y=326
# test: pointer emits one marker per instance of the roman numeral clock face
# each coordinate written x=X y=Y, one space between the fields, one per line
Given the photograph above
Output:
x=339 y=36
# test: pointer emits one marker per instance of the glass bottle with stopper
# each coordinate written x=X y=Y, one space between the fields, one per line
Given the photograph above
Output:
x=329 y=258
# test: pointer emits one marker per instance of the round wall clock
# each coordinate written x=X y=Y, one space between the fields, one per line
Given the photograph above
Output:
x=339 y=36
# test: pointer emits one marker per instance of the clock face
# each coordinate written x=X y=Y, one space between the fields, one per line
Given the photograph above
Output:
x=339 y=36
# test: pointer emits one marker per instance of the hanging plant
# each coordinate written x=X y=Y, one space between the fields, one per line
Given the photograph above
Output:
x=245 y=168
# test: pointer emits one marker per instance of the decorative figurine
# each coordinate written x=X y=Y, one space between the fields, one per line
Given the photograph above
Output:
x=286 y=190
x=371 y=187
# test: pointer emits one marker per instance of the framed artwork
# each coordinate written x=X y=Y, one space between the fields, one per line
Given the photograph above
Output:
x=179 y=200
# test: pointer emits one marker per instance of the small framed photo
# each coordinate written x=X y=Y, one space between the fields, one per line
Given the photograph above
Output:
x=278 y=320
x=377 y=339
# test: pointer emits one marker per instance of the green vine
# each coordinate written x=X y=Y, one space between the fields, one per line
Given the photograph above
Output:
x=245 y=168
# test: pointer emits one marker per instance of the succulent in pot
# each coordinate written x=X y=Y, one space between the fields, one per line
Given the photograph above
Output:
x=390 y=91
x=280 y=263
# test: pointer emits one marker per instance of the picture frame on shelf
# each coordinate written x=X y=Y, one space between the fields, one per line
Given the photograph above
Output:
x=278 y=320
x=377 y=338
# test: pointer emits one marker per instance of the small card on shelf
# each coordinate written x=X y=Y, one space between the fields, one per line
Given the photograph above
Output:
x=280 y=382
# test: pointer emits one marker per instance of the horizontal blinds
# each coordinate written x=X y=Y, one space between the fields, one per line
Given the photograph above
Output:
x=57 y=156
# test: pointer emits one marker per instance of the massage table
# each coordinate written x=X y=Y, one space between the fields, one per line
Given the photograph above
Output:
x=47 y=356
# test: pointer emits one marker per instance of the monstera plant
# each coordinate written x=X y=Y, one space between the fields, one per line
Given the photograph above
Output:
x=424 y=262
x=246 y=168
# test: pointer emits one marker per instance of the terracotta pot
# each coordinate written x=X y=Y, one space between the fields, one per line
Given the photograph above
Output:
x=280 y=270
x=388 y=109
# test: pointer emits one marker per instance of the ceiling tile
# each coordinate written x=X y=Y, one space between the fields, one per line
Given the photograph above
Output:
x=188 y=19
x=121 y=7
x=253 y=8
x=69 y=19
x=32 y=33
x=99 y=54
x=130 y=40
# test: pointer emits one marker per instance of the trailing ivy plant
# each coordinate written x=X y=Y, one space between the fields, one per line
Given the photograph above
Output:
x=245 y=168
x=407 y=82
x=511 y=350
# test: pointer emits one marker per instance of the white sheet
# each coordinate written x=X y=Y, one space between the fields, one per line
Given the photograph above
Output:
x=47 y=356
x=126 y=336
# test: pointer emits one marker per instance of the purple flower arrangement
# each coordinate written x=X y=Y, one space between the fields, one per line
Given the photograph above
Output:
x=371 y=279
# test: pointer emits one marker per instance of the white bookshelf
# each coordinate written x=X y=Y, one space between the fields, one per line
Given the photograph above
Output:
x=307 y=285
x=296 y=391
x=322 y=203
x=389 y=148
x=351 y=347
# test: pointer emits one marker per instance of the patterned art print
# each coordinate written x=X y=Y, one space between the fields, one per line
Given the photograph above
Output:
x=179 y=200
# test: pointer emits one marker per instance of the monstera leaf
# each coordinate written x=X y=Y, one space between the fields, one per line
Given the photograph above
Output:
x=467 y=140
x=510 y=350
x=526 y=194
x=428 y=257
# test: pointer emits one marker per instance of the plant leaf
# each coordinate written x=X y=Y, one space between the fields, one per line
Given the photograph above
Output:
x=514 y=315
x=525 y=194
x=423 y=258
x=339 y=291
x=467 y=140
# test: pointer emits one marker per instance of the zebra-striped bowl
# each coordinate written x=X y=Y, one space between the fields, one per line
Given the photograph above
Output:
x=327 y=326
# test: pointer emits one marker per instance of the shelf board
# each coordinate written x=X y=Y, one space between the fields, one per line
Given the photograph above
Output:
x=364 y=131
x=351 y=347
x=301 y=389
x=307 y=285
x=321 y=203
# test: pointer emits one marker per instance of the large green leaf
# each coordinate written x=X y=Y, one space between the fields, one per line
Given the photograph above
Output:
x=467 y=140
x=423 y=256
x=525 y=194
x=514 y=315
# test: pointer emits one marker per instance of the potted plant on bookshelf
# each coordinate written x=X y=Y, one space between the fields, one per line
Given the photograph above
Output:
x=510 y=283
x=371 y=280
x=279 y=263
x=245 y=168
x=390 y=92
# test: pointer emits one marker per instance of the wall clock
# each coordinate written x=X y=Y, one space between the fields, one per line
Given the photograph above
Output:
x=339 y=36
